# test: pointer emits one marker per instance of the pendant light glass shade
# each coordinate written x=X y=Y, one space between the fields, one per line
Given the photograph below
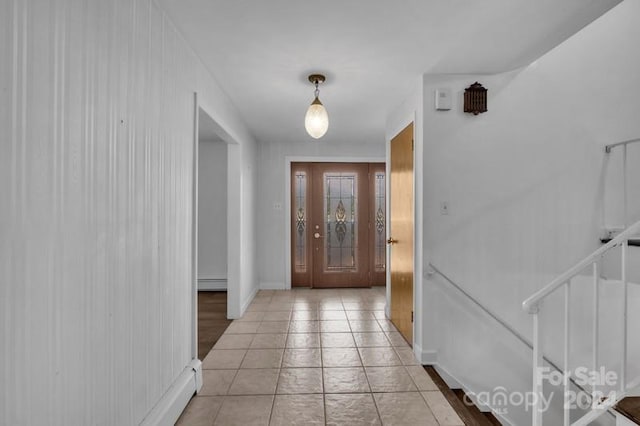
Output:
x=316 y=121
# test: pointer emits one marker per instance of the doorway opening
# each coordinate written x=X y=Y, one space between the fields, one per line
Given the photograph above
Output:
x=212 y=210
x=215 y=168
x=338 y=224
x=212 y=235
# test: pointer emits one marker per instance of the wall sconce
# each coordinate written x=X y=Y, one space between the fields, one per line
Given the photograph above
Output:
x=475 y=99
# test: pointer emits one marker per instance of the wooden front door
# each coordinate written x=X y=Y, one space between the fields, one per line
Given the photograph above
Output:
x=338 y=224
x=401 y=232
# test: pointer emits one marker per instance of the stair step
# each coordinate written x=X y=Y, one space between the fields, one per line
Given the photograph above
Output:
x=460 y=394
x=630 y=408
x=469 y=414
x=632 y=241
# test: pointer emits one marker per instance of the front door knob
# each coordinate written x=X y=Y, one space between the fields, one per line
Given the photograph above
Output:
x=391 y=241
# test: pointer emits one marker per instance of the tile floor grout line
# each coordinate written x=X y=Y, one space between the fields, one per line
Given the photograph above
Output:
x=324 y=389
x=368 y=382
x=361 y=304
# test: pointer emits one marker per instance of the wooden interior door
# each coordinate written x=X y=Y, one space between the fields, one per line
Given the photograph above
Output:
x=401 y=232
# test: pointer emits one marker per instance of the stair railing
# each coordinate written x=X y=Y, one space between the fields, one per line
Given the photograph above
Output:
x=625 y=202
x=434 y=270
x=533 y=305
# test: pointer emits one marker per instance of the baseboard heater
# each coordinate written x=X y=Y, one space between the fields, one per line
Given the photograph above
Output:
x=212 y=284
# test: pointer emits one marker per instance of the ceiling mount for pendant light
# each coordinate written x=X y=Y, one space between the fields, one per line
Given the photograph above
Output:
x=316 y=121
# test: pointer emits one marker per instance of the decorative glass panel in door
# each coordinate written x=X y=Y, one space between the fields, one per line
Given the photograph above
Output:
x=340 y=222
x=378 y=223
x=300 y=232
x=300 y=206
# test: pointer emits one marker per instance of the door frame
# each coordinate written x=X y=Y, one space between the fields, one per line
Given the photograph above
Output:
x=234 y=189
x=287 y=199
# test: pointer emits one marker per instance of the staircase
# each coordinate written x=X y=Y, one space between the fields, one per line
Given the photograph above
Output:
x=600 y=307
x=604 y=395
x=628 y=411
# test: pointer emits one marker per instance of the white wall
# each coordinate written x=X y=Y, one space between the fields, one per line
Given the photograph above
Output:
x=212 y=214
x=272 y=222
x=524 y=183
x=614 y=201
x=97 y=136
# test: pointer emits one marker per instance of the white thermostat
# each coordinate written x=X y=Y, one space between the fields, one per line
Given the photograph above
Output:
x=443 y=99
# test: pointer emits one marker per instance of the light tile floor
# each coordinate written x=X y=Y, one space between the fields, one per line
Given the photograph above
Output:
x=316 y=357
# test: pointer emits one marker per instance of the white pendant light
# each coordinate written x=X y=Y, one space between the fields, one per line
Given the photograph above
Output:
x=316 y=121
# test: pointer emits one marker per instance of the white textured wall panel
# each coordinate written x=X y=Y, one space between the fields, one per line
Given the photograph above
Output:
x=96 y=164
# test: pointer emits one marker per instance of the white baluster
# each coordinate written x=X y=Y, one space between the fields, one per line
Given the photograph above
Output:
x=625 y=284
x=567 y=347
x=624 y=186
x=596 y=324
x=537 y=372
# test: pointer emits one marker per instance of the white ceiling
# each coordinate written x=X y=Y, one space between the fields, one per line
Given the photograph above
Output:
x=207 y=129
x=372 y=51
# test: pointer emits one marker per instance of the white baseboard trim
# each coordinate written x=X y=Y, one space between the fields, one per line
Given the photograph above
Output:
x=272 y=286
x=176 y=398
x=247 y=302
x=429 y=357
x=212 y=284
x=448 y=378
